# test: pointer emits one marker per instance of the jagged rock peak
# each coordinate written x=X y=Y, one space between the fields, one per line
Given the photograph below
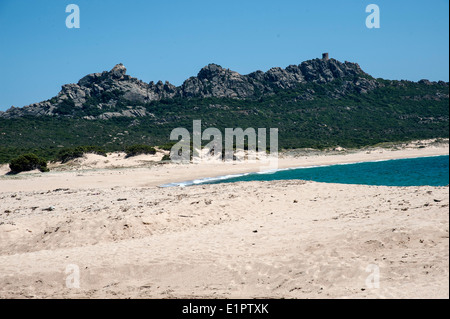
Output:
x=210 y=71
x=118 y=71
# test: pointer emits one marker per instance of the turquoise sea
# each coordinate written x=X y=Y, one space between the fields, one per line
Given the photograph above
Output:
x=422 y=171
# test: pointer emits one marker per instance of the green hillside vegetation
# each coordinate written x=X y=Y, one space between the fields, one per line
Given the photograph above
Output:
x=399 y=111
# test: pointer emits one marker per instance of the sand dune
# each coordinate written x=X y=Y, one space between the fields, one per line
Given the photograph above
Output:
x=147 y=171
x=284 y=239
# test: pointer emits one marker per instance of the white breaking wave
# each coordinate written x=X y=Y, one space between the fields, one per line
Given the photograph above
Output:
x=204 y=180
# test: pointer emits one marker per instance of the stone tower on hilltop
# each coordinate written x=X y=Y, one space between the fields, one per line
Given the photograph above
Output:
x=325 y=56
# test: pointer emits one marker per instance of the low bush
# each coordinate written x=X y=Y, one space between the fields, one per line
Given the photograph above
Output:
x=28 y=162
x=166 y=158
x=168 y=146
x=68 y=154
x=139 y=149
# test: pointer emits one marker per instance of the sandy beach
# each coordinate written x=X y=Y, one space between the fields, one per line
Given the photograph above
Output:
x=108 y=218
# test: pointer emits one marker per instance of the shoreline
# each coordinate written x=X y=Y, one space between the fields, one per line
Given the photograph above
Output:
x=201 y=181
x=94 y=173
x=278 y=239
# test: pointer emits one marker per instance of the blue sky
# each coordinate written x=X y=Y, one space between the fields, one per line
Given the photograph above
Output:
x=173 y=40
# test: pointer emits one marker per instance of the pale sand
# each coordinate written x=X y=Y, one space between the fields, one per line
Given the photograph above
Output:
x=285 y=239
x=142 y=171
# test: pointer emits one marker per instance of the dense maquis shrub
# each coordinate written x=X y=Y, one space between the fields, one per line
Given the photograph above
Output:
x=68 y=154
x=139 y=149
x=168 y=146
x=166 y=157
x=28 y=162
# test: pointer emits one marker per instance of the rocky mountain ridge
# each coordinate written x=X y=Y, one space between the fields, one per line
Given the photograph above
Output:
x=114 y=93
